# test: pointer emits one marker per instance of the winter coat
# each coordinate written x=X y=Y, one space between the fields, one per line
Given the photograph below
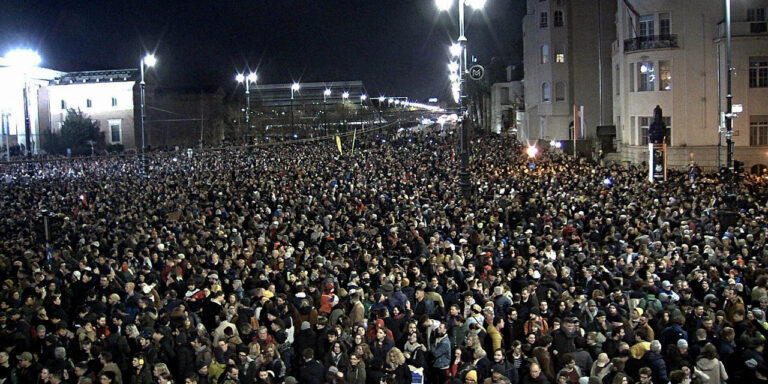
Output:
x=714 y=369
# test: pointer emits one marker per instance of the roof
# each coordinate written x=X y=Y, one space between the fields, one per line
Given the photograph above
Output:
x=97 y=76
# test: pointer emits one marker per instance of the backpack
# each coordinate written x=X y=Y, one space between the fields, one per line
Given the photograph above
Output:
x=651 y=302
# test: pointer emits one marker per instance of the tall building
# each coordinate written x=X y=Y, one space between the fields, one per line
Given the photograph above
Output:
x=567 y=62
x=671 y=53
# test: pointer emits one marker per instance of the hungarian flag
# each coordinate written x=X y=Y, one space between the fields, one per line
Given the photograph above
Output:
x=82 y=197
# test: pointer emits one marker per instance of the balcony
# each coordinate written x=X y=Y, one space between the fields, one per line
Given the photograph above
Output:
x=642 y=43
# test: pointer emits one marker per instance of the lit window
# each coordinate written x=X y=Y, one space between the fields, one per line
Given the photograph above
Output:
x=559 y=54
x=646 y=76
x=114 y=101
x=545 y=54
x=665 y=76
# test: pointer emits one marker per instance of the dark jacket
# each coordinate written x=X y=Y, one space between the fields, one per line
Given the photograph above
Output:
x=311 y=372
x=658 y=367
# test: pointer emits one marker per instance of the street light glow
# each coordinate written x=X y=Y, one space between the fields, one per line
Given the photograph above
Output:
x=327 y=92
x=453 y=66
x=23 y=58
x=295 y=87
x=150 y=60
x=455 y=49
x=382 y=99
x=443 y=5
x=476 y=4
x=345 y=95
x=363 y=97
x=532 y=151
x=239 y=78
x=252 y=77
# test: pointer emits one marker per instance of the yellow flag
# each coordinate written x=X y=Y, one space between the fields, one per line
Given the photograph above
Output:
x=338 y=144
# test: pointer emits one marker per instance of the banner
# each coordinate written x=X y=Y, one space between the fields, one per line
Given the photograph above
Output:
x=338 y=144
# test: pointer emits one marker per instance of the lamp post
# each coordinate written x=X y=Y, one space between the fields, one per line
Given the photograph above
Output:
x=344 y=97
x=460 y=50
x=251 y=78
x=326 y=95
x=728 y=94
x=24 y=60
x=294 y=88
x=149 y=60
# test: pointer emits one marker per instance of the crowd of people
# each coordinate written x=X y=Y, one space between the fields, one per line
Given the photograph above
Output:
x=296 y=264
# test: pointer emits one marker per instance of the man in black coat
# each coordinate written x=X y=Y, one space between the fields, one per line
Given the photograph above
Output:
x=312 y=371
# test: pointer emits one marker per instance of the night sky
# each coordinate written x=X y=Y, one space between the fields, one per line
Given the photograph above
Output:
x=396 y=47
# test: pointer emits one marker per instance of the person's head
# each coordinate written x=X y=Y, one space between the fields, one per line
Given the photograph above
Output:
x=709 y=351
x=106 y=378
x=138 y=361
x=534 y=370
x=676 y=377
x=308 y=354
x=499 y=356
x=645 y=375
x=354 y=359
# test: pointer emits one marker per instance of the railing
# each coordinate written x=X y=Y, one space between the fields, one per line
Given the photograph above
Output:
x=642 y=43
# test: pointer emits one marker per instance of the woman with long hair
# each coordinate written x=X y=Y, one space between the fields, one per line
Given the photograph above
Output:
x=545 y=362
x=709 y=363
x=396 y=367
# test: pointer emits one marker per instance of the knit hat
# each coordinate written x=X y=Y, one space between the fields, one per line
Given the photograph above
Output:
x=471 y=375
x=305 y=325
x=682 y=343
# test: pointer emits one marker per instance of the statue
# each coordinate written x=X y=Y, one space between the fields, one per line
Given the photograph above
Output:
x=658 y=129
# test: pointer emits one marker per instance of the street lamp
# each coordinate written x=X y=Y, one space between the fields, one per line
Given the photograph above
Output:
x=532 y=151
x=294 y=88
x=326 y=95
x=24 y=59
x=251 y=78
x=149 y=60
x=457 y=87
x=345 y=95
x=363 y=98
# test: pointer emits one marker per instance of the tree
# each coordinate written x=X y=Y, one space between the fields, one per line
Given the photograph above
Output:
x=77 y=132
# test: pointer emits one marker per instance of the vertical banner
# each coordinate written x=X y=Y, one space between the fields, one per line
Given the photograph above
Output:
x=338 y=144
x=354 y=136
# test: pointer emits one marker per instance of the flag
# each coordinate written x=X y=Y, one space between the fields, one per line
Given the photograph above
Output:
x=338 y=144
x=578 y=121
x=633 y=11
x=82 y=197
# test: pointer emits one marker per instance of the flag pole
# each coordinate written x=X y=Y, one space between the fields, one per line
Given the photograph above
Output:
x=575 y=129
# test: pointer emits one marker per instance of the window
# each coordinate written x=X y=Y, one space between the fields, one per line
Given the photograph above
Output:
x=545 y=54
x=543 y=20
x=115 y=133
x=632 y=77
x=756 y=14
x=558 y=18
x=758 y=130
x=665 y=24
x=63 y=104
x=617 y=82
x=560 y=91
x=646 y=76
x=665 y=76
x=546 y=92
x=758 y=72
x=88 y=103
x=559 y=54
x=644 y=123
x=645 y=25
x=114 y=101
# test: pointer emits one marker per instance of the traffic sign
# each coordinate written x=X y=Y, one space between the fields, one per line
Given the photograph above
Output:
x=476 y=72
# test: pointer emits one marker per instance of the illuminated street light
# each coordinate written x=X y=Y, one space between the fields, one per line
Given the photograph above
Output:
x=456 y=49
x=363 y=98
x=444 y=5
x=460 y=69
x=345 y=95
x=25 y=60
x=532 y=151
x=148 y=60
x=453 y=66
x=294 y=88
x=251 y=78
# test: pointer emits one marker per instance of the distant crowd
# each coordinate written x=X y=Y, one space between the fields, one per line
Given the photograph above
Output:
x=294 y=263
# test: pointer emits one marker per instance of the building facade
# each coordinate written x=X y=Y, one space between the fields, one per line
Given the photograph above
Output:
x=107 y=97
x=671 y=53
x=13 y=82
x=566 y=64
